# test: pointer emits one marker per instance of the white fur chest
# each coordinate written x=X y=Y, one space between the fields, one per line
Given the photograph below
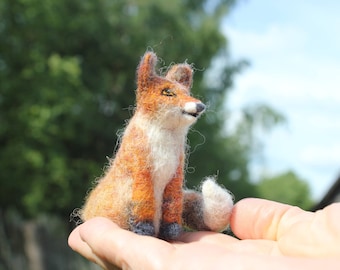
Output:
x=166 y=150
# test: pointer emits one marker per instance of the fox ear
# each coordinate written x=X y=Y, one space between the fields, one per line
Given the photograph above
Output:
x=146 y=70
x=181 y=73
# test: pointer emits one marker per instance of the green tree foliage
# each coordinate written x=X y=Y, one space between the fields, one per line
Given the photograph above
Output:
x=67 y=80
x=287 y=188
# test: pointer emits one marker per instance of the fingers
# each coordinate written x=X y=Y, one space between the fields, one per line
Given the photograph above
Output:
x=78 y=237
x=262 y=219
x=104 y=243
x=296 y=232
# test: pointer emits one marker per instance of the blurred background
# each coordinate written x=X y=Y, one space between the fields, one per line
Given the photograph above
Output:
x=267 y=70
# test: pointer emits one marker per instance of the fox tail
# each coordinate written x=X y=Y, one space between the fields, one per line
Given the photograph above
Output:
x=209 y=209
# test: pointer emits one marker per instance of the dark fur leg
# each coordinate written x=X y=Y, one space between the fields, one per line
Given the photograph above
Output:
x=142 y=227
x=170 y=231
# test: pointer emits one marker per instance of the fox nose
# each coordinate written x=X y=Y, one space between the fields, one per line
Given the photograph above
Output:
x=194 y=108
x=200 y=107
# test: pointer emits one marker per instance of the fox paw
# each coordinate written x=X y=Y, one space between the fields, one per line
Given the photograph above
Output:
x=170 y=231
x=143 y=228
x=217 y=205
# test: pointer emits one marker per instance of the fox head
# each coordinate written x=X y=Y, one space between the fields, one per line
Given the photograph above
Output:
x=166 y=99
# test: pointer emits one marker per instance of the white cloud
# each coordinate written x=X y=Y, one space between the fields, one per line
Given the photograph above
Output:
x=324 y=123
x=269 y=41
x=321 y=156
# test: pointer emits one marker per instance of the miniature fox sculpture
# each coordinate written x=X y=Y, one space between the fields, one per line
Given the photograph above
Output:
x=142 y=189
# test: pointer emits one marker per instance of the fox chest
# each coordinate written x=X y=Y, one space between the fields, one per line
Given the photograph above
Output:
x=165 y=159
x=166 y=151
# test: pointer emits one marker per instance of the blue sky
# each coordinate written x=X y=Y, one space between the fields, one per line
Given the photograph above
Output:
x=294 y=50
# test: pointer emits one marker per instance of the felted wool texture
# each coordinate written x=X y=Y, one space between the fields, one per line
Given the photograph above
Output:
x=181 y=73
x=193 y=211
x=144 y=182
x=217 y=205
x=209 y=209
x=142 y=189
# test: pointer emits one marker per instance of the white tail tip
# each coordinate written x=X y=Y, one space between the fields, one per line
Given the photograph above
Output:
x=217 y=205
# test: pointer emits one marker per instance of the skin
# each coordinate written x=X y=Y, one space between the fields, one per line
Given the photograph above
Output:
x=271 y=236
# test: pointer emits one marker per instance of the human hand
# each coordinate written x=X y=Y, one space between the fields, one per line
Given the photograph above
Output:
x=272 y=236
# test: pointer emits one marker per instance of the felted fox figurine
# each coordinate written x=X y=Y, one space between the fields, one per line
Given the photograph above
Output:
x=142 y=190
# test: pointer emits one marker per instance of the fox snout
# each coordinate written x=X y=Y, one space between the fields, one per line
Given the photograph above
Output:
x=193 y=109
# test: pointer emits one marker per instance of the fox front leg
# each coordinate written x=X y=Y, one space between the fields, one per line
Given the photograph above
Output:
x=142 y=208
x=171 y=224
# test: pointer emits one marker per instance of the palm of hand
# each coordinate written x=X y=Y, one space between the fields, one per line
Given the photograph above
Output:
x=271 y=236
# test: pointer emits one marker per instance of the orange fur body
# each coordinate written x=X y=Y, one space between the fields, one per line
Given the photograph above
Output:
x=142 y=190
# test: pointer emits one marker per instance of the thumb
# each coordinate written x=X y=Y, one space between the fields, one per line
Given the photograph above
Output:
x=297 y=232
x=103 y=242
x=263 y=219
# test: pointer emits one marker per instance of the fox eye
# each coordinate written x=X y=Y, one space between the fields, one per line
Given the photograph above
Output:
x=168 y=92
